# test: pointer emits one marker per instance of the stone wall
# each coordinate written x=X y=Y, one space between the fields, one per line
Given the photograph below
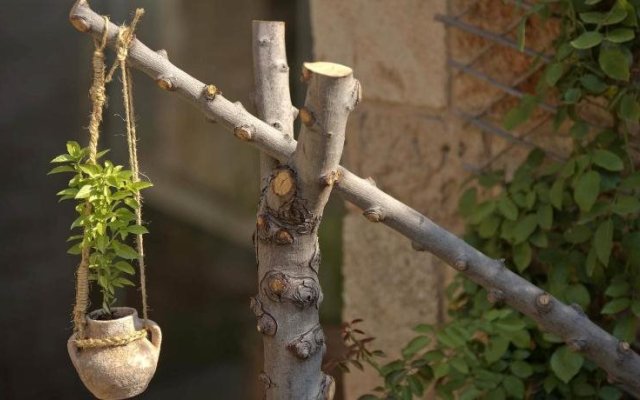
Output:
x=408 y=135
x=399 y=136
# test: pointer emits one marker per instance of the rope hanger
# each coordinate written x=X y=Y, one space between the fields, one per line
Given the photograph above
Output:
x=98 y=100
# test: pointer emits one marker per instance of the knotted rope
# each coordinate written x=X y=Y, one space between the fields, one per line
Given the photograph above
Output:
x=98 y=99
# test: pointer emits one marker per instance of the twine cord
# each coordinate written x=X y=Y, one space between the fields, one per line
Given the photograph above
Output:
x=98 y=99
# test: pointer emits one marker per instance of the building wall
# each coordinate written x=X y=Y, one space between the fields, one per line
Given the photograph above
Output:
x=408 y=135
x=399 y=136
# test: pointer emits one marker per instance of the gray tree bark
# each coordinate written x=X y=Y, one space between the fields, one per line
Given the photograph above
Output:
x=292 y=200
x=329 y=98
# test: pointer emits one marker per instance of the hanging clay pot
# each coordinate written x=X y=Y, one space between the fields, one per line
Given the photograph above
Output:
x=121 y=371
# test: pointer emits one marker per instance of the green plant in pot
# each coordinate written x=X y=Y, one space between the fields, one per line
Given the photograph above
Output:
x=114 y=358
x=110 y=347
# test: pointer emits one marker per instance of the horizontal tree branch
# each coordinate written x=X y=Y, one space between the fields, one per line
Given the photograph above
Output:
x=568 y=322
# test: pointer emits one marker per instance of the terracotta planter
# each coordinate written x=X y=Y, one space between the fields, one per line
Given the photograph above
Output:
x=117 y=372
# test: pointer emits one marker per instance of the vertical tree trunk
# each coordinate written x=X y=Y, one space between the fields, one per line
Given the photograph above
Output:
x=292 y=200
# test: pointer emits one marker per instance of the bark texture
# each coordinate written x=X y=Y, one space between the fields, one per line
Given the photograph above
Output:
x=290 y=210
x=297 y=292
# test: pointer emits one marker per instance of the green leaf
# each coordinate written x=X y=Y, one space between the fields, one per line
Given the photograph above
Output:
x=514 y=386
x=62 y=158
x=572 y=95
x=587 y=190
x=508 y=208
x=556 y=193
x=521 y=369
x=587 y=40
x=545 y=216
x=609 y=393
x=618 y=289
x=522 y=256
x=592 y=83
x=579 y=130
x=591 y=262
x=626 y=205
x=520 y=113
x=125 y=267
x=482 y=211
x=607 y=160
x=141 y=185
x=604 y=18
x=125 y=251
x=614 y=63
x=553 y=73
x=84 y=192
x=603 y=241
x=620 y=35
x=616 y=305
x=496 y=348
x=61 y=168
x=415 y=346
x=578 y=294
x=577 y=234
x=137 y=230
x=629 y=108
x=459 y=364
x=625 y=328
x=524 y=228
x=565 y=363
x=467 y=202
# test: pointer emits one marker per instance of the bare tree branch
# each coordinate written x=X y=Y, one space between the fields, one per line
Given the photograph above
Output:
x=568 y=322
x=271 y=76
x=289 y=213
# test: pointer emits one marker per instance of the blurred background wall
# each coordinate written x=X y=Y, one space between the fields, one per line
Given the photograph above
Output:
x=201 y=210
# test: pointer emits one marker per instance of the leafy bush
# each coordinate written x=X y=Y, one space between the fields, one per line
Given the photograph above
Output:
x=570 y=227
x=106 y=204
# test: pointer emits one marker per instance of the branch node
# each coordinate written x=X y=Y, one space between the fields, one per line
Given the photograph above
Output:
x=163 y=53
x=267 y=325
x=283 y=237
x=306 y=116
x=577 y=345
x=330 y=178
x=461 y=264
x=80 y=23
x=417 y=246
x=210 y=92
x=495 y=296
x=308 y=343
x=544 y=303
x=283 y=183
x=328 y=388
x=372 y=181
x=266 y=381
x=244 y=132
x=166 y=82
x=305 y=76
x=374 y=214
x=624 y=349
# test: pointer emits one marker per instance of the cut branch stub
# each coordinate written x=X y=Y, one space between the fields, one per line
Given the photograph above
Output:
x=244 y=132
x=267 y=325
x=308 y=343
x=283 y=183
x=330 y=99
x=303 y=291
